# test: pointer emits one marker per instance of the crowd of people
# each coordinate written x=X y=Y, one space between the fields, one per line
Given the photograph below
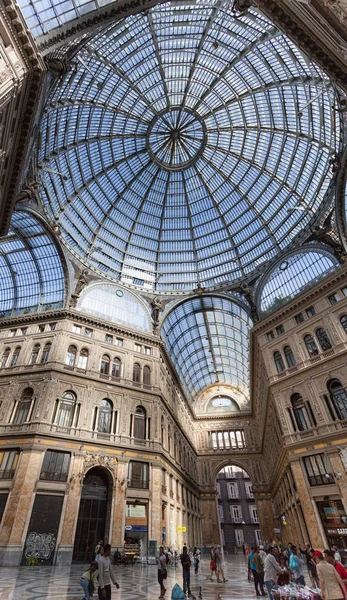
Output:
x=281 y=566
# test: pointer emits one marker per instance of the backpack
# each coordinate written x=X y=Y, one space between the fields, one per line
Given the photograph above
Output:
x=167 y=558
x=293 y=563
x=177 y=593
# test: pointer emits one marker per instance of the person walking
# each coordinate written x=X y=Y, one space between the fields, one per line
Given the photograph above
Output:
x=330 y=582
x=295 y=566
x=106 y=575
x=213 y=566
x=271 y=568
x=219 y=568
x=196 y=556
x=330 y=558
x=253 y=570
x=186 y=564
x=312 y=568
x=258 y=573
x=99 y=550
x=162 y=570
x=89 y=580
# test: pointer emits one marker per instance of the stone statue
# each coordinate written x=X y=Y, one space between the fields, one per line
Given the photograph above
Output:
x=80 y=285
x=28 y=192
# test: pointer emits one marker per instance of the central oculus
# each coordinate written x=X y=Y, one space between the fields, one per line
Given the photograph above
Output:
x=175 y=138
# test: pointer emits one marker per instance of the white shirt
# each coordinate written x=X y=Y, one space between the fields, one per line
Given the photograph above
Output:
x=337 y=556
x=271 y=568
x=105 y=572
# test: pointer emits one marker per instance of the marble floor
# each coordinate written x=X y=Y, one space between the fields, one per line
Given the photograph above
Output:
x=136 y=582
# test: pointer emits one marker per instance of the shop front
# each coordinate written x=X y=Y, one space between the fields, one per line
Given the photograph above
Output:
x=136 y=531
x=334 y=521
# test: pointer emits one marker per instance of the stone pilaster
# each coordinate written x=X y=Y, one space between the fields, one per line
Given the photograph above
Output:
x=65 y=548
x=156 y=504
x=313 y=526
x=341 y=479
x=15 y=520
x=119 y=500
x=265 y=515
x=210 y=527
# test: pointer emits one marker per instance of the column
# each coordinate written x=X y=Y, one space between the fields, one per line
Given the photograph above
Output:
x=339 y=468
x=65 y=548
x=118 y=501
x=313 y=525
x=19 y=505
x=210 y=529
x=156 y=504
x=265 y=515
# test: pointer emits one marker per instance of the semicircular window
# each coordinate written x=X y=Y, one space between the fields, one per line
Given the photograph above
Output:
x=189 y=146
x=31 y=271
x=115 y=305
x=220 y=404
x=293 y=276
x=208 y=340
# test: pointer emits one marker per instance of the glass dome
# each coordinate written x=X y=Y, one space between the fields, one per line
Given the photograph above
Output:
x=187 y=147
x=31 y=271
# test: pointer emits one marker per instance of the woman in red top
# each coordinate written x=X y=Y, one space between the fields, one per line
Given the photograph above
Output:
x=330 y=556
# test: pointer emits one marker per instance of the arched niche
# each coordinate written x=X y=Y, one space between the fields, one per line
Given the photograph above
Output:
x=115 y=305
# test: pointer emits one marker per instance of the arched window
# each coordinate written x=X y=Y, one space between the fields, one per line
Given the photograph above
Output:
x=105 y=416
x=279 y=362
x=290 y=358
x=66 y=410
x=343 y=321
x=83 y=359
x=146 y=376
x=23 y=409
x=4 y=357
x=323 y=339
x=71 y=356
x=15 y=356
x=302 y=413
x=105 y=364
x=34 y=354
x=137 y=373
x=338 y=397
x=310 y=345
x=140 y=423
x=116 y=367
x=45 y=353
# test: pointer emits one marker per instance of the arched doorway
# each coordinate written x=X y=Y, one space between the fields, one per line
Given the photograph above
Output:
x=237 y=510
x=94 y=514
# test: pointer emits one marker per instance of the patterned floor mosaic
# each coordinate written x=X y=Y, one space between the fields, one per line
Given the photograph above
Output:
x=136 y=583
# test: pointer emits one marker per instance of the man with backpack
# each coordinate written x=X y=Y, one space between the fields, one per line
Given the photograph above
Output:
x=186 y=564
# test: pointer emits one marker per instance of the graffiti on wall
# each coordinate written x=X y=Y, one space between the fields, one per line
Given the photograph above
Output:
x=40 y=545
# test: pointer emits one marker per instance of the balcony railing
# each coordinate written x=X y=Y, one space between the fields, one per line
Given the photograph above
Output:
x=141 y=484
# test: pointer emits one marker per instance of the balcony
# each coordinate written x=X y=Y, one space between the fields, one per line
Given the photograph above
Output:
x=140 y=484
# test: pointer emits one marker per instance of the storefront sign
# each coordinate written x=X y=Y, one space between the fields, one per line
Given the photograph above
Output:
x=136 y=511
x=138 y=528
x=128 y=527
x=277 y=531
x=342 y=531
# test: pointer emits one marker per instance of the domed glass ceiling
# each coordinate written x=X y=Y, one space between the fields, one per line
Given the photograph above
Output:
x=208 y=340
x=187 y=148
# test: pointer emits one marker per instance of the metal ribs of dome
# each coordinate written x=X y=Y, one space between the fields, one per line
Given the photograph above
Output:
x=171 y=155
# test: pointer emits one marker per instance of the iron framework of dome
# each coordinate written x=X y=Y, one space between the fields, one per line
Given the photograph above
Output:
x=187 y=147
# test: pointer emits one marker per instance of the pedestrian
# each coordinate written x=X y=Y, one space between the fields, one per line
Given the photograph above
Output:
x=219 y=568
x=162 y=570
x=196 y=556
x=106 y=575
x=283 y=578
x=262 y=553
x=330 y=558
x=186 y=564
x=213 y=566
x=252 y=568
x=271 y=568
x=89 y=580
x=295 y=566
x=258 y=573
x=99 y=549
x=312 y=568
x=330 y=582
x=337 y=553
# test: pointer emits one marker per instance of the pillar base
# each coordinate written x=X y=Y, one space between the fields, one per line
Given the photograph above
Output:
x=63 y=557
x=10 y=556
